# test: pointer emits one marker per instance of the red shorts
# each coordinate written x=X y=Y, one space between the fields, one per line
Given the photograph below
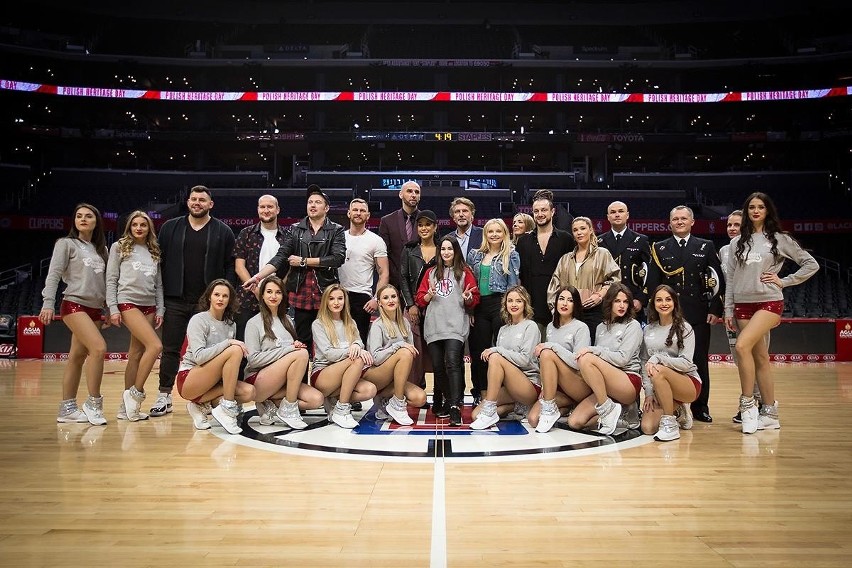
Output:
x=696 y=382
x=636 y=380
x=180 y=379
x=313 y=378
x=746 y=310
x=538 y=390
x=147 y=310
x=66 y=308
x=251 y=378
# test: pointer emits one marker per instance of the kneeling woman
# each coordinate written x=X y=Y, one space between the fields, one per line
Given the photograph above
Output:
x=391 y=343
x=277 y=361
x=211 y=365
x=611 y=368
x=513 y=373
x=670 y=374
x=566 y=335
x=339 y=358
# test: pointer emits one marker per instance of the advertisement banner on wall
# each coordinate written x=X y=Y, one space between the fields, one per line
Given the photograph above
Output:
x=30 y=337
x=844 y=339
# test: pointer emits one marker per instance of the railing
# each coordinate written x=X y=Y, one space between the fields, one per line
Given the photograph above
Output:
x=15 y=275
x=830 y=265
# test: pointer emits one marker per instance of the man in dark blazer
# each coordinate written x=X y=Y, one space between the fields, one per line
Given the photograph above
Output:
x=691 y=266
x=469 y=236
x=400 y=227
x=632 y=253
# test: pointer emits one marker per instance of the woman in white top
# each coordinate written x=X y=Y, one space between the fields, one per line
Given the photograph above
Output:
x=754 y=301
x=134 y=287
x=670 y=376
x=391 y=343
x=79 y=260
x=210 y=367
x=339 y=358
x=565 y=336
x=277 y=361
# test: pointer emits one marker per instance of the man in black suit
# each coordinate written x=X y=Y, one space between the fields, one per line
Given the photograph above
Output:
x=399 y=227
x=469 y=236
x=540 y=251
x=691 y=266
x=632 y=253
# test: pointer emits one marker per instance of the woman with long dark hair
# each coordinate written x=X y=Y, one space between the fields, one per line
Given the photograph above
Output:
x=754 y=301
x=79 y=260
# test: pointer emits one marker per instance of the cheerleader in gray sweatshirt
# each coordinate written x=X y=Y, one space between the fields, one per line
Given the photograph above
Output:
x=670 y=377
x=560 y=374
x=79 y=260
x=754 y=301
x=277 y=361
x=339 y=358
x=134 y=295
x=210 y=367
x=611 y=368
x=513 y=371
x=391 y=343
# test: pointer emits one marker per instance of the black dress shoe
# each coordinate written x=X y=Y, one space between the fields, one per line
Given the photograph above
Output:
x=702 y=416
x=356 y=406
x=455 y=416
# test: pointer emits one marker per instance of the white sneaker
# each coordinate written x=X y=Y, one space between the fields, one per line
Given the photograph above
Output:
x=163 y=404
x=668 y=430
x=70 y=413
x=94 y=409
x=342 y=415
x=608 y=414
x=199 y=416
x=683 y=413
x=288 y=412
x=629 y=418
x=548 y=417
x=132 y=400
x=519 y=412
x=398 y=410
x=749 y=415
x=487 y=416
x=122 y=413
x=380 y=404
x=768 y=418
x=328 y=404
x=226 y=415
x=266 y=412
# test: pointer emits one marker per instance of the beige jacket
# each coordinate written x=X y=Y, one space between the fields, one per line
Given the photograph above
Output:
x=598 y=271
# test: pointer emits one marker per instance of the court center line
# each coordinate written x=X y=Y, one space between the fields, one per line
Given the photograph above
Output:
x=438 y=552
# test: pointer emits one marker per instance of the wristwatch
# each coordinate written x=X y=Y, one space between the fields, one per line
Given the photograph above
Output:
x=304 y=262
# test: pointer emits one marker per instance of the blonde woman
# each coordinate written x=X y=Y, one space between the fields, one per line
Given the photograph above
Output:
x=589 y=268
x=522 y=223
x=496 y=267
x=391 y=343
x=340 y=359
x=134 y=295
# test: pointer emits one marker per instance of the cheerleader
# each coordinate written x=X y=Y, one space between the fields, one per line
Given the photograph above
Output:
x=670 y=375
x=611 y=368
x=134 y=296
x=339 y=358
x=566 y=335
x=513 y=371
x=754 y=301
x=391 y=343
x=210 y=367
x=450 y=292
x=79 y=260
x=277 y=361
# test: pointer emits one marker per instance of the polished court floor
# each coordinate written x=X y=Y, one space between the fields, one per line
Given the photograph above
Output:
x=158 y=493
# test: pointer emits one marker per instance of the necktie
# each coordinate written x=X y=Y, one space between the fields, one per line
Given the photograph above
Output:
x=682 y=244
x=682 y=248
x=409 y=233
x=617 y=239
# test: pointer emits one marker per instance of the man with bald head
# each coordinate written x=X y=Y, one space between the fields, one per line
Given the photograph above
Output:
x=399 y=227
x=255 y=247
x=631 y=251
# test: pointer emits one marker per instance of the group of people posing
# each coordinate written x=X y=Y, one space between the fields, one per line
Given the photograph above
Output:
x=554 y=320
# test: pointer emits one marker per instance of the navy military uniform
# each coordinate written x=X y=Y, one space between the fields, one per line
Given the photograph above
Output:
x=632 y=253
x=695 y=272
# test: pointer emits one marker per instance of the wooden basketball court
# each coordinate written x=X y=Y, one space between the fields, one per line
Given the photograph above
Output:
x=158 y=493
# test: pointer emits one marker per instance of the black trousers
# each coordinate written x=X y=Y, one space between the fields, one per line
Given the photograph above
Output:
x=175 y=321
x=362 y=319
x=486 y=323
x=592 y=318
x=303 y=320
x=695 y=312
x=448 y=363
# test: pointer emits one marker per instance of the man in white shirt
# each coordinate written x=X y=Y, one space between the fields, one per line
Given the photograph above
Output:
x=366 y=256
x=468 y=235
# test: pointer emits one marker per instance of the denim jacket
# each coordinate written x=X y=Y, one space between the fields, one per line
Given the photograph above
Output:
x=499 y=281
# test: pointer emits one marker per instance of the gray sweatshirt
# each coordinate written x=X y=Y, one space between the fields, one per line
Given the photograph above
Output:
x=325 y=353
x=79 y=265
x=516 y=342
x=206 y=337
x=134 y=280
x=744 y=285
x=446 y=317
x=381 y=346
x=655 y=350
x=619 y=345
x=262 y=350
x=567 y=339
